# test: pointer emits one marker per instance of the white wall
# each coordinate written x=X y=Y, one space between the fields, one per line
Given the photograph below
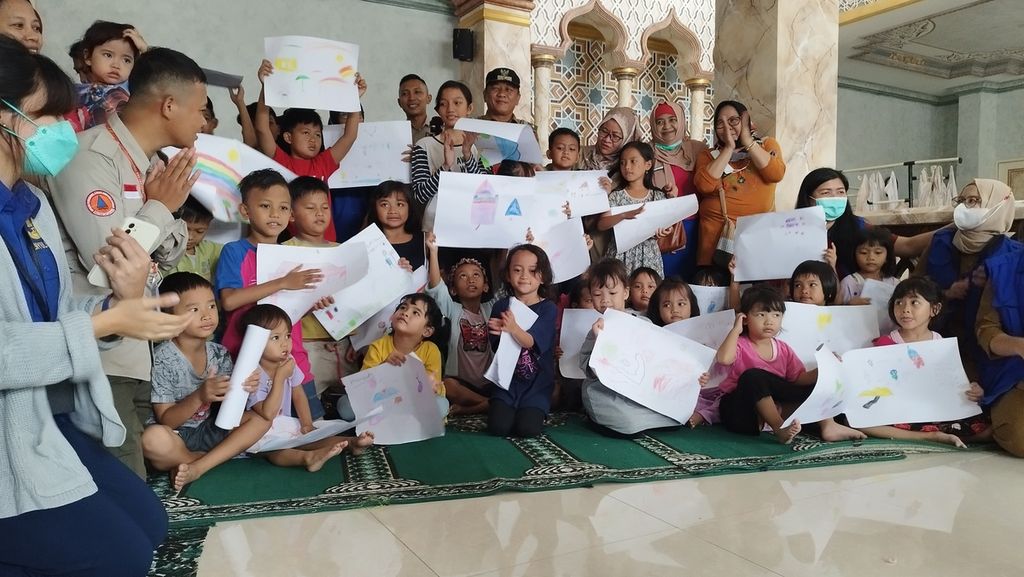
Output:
x=227 y=35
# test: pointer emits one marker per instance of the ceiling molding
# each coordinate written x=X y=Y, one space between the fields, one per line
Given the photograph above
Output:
x=949 y=97
x=436 y=6
x=875 y=8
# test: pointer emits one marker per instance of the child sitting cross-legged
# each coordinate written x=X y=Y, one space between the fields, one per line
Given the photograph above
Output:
x=190 y=373
x=279 y=389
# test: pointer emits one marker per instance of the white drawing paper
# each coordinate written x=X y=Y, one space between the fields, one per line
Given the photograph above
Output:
x=647 y=364
x=841 y=328
x=221 y=164
x=375 y=156
x=580 y=188
x=377 y=325
x=497 y=141
x=312 y=73
x=880 y=293
x=709 y=329
x=655 y=216
x=711 y=299
x=827 y=399
x=231 y=408
x=341 y=266
x=507 y=356
x=771 y=245
x=295 y=438
x=409 y=410
x=566 y=249
x=384 y=282
x=576 y=325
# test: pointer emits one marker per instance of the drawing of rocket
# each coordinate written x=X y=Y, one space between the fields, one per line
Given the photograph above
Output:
x=485 y=204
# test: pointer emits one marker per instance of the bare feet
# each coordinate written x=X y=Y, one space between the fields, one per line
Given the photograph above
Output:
x=182 y=475
x=476 y=409
x=785 y=435
x=360 y=443
x=939 y=437
x=315 y=459
x=833 y=431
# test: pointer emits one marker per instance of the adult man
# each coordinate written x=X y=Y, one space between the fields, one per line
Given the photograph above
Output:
x=110 y=179
x=413 y=99
x=501 y=94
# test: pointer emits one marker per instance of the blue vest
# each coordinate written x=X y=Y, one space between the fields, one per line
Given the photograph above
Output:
x=1006 y=278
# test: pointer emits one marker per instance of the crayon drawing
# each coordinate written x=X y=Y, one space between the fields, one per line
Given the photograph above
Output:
x=404 y=397
x=375 y=156
x=312 y=73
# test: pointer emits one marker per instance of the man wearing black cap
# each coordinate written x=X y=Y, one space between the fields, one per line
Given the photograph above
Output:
x=501 y=94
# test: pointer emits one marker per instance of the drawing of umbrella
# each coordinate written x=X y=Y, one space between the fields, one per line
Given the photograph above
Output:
x=485 y=204
x=877 y=393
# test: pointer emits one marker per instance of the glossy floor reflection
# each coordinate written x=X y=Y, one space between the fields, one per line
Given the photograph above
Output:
x=950 y=514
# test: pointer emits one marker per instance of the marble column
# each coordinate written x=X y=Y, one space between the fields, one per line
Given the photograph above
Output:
x=624 y=77
x=501 y=37
x=698 y=89
x=543 y=65
x=781 y=60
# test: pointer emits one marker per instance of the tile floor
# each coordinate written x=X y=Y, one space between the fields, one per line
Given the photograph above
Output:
x=931 y=515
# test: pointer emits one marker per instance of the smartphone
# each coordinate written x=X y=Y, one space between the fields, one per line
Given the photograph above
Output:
x=146 y=234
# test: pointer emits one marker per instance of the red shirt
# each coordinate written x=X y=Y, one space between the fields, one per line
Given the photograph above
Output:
x=321 y=166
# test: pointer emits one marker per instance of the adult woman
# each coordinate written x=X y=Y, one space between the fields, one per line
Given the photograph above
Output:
x=745 y=167
x=67 y=505
x=827 y=187
x=675 y=159
x=19 y=20
x=618 y=127
x=956 y=260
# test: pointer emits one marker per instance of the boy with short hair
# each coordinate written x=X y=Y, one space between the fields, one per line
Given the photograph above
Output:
x=190 y=373
x=201 y=255
x=211 y=118
x=563 y=149
x=267 y=205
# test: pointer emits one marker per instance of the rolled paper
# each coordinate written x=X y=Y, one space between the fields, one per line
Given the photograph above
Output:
x=233 y=405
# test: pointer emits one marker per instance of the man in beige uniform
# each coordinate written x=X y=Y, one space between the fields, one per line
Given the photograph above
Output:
x=110 y=179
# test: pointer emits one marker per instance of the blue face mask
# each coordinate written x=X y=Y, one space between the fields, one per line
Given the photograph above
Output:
x=50 y=149
x=834 y=206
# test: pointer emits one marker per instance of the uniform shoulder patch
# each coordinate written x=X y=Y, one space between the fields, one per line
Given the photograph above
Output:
x=100 y=203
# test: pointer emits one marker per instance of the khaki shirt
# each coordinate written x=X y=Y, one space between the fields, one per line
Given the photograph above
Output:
x=96 y=191
x=420 y=133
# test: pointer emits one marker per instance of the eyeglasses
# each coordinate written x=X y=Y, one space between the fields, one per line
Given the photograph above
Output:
x=969 y=201
x=603 y=134
x=733 y=121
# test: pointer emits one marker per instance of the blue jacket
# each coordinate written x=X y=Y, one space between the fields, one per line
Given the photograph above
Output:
x=1006 y=279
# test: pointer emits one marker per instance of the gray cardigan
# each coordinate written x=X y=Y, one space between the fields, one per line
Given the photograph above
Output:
x=38 y=467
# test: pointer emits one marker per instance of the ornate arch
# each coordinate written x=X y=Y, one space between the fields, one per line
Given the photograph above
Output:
x=612 y=30
x=685 y=42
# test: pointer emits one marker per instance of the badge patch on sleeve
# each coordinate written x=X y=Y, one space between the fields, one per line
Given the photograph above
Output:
x=100 y=203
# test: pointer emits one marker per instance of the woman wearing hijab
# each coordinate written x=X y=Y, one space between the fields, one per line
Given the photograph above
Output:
x=746 y=167
x=675 y=159
x=956 y=260
x=618 y=127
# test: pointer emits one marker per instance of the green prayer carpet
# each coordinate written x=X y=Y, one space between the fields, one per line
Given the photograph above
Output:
x=467 y=462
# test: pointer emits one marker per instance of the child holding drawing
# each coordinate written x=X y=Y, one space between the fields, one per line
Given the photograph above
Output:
x=392 y=210
x=469 y=350
x=520 y=410
x=300 y=145
x=914 y=303
x=190 y=373
x=563 y=149
x=280 y=389
x=634 y=184
x=267 y=206
x=765 y=374
x=813 y=283
x=875 y=256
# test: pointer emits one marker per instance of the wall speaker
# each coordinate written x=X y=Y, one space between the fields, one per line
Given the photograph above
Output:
x=462 y=44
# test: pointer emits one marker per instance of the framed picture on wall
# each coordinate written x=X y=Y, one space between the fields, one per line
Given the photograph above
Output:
x=1012 y=173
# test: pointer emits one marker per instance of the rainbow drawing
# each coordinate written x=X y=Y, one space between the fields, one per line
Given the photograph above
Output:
x=221 y=177
x=346 y=72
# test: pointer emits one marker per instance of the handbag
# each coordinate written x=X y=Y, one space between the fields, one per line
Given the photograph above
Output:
x=726 y=246
x=676 y=239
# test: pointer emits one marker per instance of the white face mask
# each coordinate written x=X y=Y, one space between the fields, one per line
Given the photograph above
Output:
x=968 y=218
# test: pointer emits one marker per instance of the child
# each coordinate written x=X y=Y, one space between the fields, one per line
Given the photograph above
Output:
x=267 y=206
x=563 y=149
x=913 y=305
x=469 y=351
x=876 y=259
x=710 y=276
x=310 y=219
x=190 y=373
x=635 y=185
x=521 y=409
x=642 y=283
x=416 y=319
x=109 y=51
x=764 y=371
x=201 y=255
x=814 y=283
x=280 y=389
x=211 y=118
x=579 y=296
x=392 y=210
x=302 y=134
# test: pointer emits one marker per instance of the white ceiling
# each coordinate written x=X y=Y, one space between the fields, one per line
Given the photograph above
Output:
x=935 y=46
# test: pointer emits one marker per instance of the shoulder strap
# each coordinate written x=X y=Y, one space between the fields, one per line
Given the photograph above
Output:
x=721 y=199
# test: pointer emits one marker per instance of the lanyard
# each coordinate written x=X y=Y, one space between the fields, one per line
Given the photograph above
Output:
x=135 y=168
x=38 y=293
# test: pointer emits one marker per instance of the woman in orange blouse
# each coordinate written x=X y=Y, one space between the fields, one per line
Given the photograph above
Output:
x=744 y=165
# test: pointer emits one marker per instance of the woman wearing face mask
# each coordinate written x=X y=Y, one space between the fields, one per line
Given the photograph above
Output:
x=827 y=187
x=956 y=259
x=67 y=506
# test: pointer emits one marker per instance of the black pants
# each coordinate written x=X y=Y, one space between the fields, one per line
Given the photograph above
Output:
x=504 y=421
x=738 y=409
